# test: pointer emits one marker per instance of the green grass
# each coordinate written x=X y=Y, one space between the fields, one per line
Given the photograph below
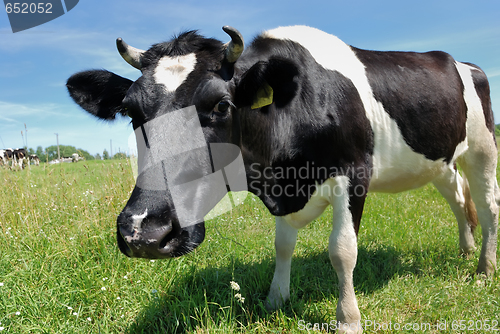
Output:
x=62 y=272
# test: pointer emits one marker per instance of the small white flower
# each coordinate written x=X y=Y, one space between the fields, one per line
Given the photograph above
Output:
x=118 y=298
x=18 y=313
x=1 y=284
x=239 y=298
x=1 y=328
x=74 y=313
x=152 y=260
x=235 y=286
x=70 y=308
x=103 y=288
x=105 y=278
x=139 y=281
x=125 y=277
x=89 y=319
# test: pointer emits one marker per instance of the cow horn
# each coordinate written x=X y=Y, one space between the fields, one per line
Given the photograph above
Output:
x=235 y=47
x=129 y=53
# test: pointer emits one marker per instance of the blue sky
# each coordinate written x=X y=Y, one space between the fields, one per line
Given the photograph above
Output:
x=35 y=64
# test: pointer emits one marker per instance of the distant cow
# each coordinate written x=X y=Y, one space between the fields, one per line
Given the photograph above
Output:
x=299 y=99
x=35 y=159
x=19 y=155
x=7 y=156
x=3 y=157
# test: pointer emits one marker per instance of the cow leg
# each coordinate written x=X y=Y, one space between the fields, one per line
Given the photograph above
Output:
x=480 y=168
x=343 y=252
x=456 y=191
x=286 y=238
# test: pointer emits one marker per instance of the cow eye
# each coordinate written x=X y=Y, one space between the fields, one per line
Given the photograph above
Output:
x=223 y=106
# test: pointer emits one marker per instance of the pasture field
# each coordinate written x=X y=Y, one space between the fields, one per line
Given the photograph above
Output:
x=61 y=271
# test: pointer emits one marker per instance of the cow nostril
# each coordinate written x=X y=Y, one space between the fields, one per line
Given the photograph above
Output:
x=122 y=245
x=166 y=239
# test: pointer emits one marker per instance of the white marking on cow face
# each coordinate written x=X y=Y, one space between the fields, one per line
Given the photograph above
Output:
x=396 y=167
x=137 y=221
x=172 y=71
x=136 y=227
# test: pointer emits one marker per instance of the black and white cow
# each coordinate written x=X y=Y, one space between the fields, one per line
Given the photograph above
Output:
x=300 y=99
x=19 y=155
x=35 y=159
x=3 y=157
x=7 y=156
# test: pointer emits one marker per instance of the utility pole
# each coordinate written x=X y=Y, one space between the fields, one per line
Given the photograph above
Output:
x=25 y=128
x=58 y=153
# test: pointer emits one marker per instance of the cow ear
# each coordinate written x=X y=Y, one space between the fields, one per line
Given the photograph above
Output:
x=99 y=92
x=266 y=82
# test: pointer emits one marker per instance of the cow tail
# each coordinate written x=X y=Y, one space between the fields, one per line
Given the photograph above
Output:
x=469 y=207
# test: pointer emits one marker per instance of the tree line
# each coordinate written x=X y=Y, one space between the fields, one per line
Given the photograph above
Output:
x=50 y=153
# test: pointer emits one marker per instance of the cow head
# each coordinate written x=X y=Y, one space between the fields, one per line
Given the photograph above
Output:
x=188 y=71
x=224 y=88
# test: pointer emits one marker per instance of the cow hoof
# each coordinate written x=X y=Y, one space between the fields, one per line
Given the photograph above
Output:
x=273 y=305
x=467 y=251
x=486 y=268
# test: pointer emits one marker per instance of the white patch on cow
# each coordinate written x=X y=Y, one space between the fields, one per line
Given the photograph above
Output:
x=137 y=221
x=476 y=123
x=136 y=228
x=172 y=71
x=396 y=167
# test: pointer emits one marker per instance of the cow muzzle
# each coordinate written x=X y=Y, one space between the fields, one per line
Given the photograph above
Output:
x=145 y=237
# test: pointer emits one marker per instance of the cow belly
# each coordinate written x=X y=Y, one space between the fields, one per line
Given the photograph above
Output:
x=406 y=176
x=396 y=167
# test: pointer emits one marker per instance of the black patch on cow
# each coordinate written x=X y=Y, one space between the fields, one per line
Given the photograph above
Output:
x=423 y=93
x=315 y=129
x=99 y=92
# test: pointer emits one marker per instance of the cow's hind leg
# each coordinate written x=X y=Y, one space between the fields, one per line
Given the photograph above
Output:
x=480 y=168
x=455 y=190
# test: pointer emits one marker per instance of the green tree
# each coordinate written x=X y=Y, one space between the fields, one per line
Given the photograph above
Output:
x=41 y=154
x=98 y=156
x=105 y=154
x=497 y=130
x=120 y=155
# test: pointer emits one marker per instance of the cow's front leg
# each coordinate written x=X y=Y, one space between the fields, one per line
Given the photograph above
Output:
x=343 y=252
x=286 y=237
